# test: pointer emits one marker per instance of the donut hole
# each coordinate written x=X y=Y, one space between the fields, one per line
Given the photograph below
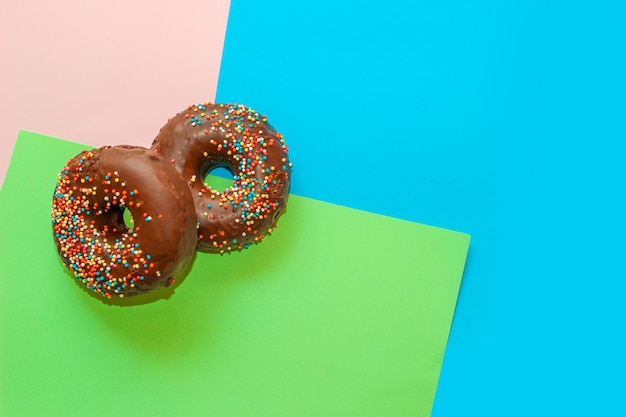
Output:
x=127 y=218
x=119 y=219
x=217 y=176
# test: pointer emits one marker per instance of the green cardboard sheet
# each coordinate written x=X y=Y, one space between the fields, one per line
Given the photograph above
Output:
x=338 y=313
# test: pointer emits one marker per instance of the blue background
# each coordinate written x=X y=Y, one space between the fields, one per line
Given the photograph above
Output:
x=504 y=120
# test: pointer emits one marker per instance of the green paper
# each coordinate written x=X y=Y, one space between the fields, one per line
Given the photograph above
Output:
x=338 y=313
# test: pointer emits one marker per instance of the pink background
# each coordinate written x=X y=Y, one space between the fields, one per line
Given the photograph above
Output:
x=104 y=73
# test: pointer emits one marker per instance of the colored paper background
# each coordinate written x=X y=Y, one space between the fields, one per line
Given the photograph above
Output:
x=502 y=119
x=104 y=73
x=513 y=110
x=339 y=312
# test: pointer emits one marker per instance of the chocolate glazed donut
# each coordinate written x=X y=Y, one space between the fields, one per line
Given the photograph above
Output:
x=105 y=255
x=207 y=136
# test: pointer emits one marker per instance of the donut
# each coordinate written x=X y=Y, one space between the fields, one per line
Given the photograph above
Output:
x=206 y=136
x=107 y=256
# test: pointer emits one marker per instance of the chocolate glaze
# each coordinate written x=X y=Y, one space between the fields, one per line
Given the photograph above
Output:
x=206 y=136
x=91 y=195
